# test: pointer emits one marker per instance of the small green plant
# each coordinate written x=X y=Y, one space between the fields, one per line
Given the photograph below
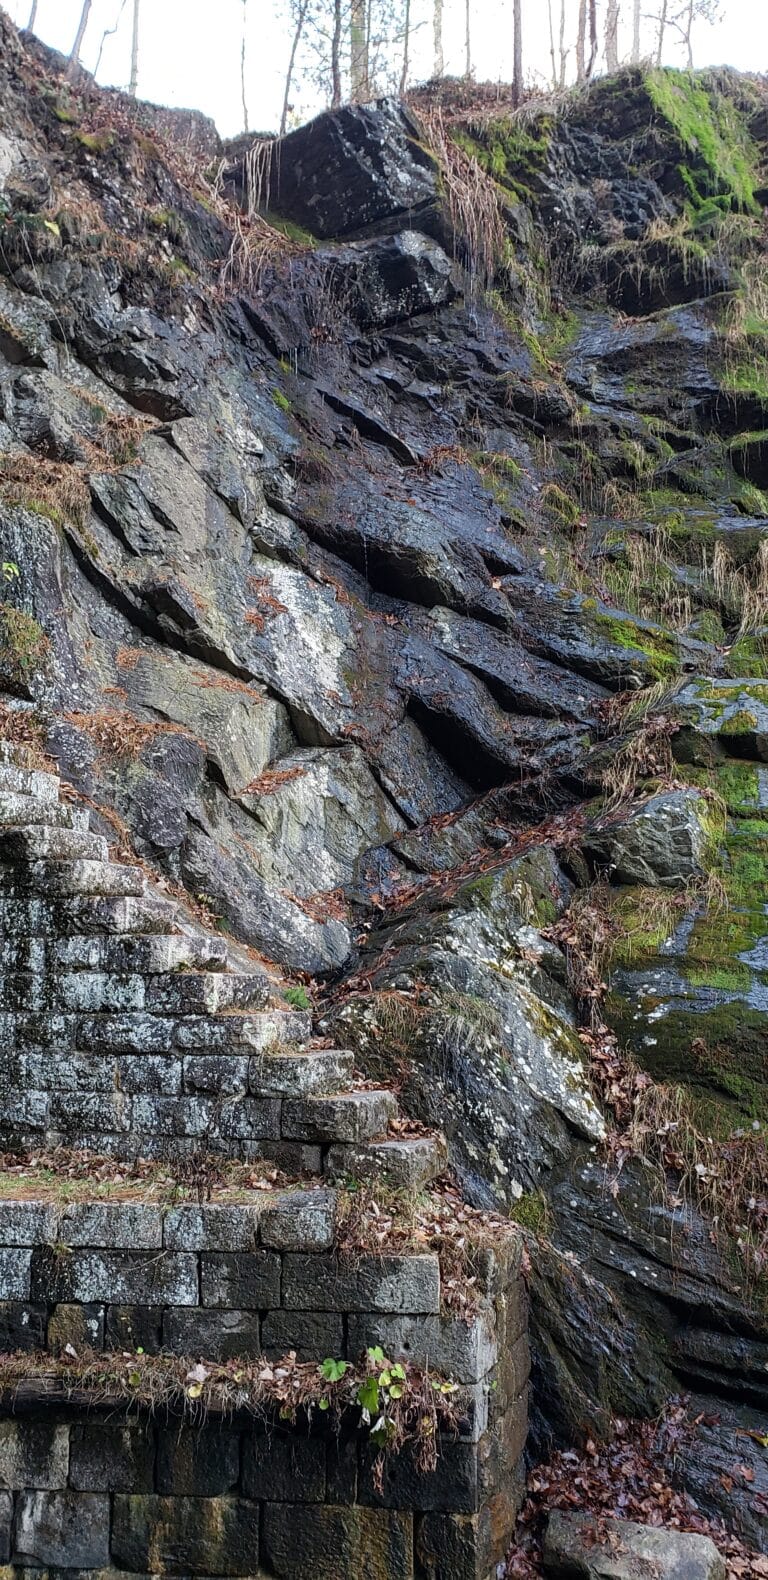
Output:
x=281 y=401
x=24 y=646
x=297 y=997
x=10 y=571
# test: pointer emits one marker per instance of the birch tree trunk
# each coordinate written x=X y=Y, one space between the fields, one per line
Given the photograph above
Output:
x=467 y=40
x=32 y=16
x=581 y=42
x=358 y=44
x=74 y=59
x=336 y=56
x=437 y=35
x=612 y=36
x=243 y=94
x=636 y=33
x=517 y=47
x=301 y=15
x=406 y=47
x=662 y=30
x=134 y=82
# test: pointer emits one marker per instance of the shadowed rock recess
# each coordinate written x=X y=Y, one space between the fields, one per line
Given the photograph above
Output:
x=384 y=669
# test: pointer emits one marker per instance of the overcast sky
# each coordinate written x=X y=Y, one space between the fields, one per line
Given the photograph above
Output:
x=190 y=49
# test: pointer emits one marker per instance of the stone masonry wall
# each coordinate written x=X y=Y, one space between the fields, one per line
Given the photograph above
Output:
x=223 y=1281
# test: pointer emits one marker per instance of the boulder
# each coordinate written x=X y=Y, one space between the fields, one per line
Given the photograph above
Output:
x=581 y=1547
x=347 y=171
x=661 y=842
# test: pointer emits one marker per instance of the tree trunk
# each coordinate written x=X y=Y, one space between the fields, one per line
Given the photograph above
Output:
x=74 y=58
x=467 y=40
x=662 y=30
x=636 y=33
x=243 y=94
x=612 y=36
x=581 y=42
x=517 y=49
x=32 y=16
x=336 y=56
x=358 y=43
x=593 y=39
x=134 y=83
x=437 y=35
x=297 y=32
x=552 y=55
x=406 y=47
x=688 y=31
x=109 y=32
x=563 y=50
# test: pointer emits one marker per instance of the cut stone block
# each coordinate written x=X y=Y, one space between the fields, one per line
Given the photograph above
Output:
x=125 y=1277
x=160 y=953
x=211 y=1227
x=195 y=993
x=308 y=1072
x=27 y=1223
x=198 y=1462
x=20 y=810
x=125 y=1033
x=186 y=1536
x=329 y=1543
x=33 y=1454
x=312 y=1334
x=111 y=1456
x=32 y=782
x=405 y=1164
x=353 y=1116
x=299 y=1221
x=387 y=1283
x=240 y=1280
x=62 y=878
x=15 y=1275
x=213 y=1335
x=216 y=1074
x=463 y=1351
x=130 y=1226
x=42 y=843
x=63 y=1530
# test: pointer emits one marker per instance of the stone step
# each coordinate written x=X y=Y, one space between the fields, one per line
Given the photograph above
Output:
x=23 y=811
x=60 y=879
x=51 y=844
x=39 y=917
x=345 y=1116
x=29 y=781
x=166 y=953
x=200 y=992
x=301 y=1072
x=406 y=1164
x=258 y=1032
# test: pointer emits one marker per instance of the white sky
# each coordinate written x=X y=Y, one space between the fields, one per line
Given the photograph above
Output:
x=190 y=49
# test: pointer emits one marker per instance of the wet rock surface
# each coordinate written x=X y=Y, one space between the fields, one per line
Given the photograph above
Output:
x=321 y=587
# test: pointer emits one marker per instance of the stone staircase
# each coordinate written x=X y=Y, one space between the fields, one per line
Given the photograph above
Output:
x=125 y=1030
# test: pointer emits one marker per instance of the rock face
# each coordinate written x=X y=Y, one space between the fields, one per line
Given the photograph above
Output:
x=349 y=600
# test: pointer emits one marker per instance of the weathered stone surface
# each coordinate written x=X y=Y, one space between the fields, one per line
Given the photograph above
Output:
x=388 y=1283
x=22 y=1326
x=299 y=1221
x=15 y=1274
x=33 y=1455
x=277 y=1467
x=214 y=1335
x=125 y=1277
x=27 y=1223
x=75 y=1327
x=309 y=1333
x=634 y=1550
x=355 y=1116
x=457 y=1349
x=663 y=841
x=63 y=1530
x=337 y=1543
x=200 y=1536
x=240 y=1280
x=211 y=1227
x=197 y=1462
x=111 y=1456
x=115 y=1225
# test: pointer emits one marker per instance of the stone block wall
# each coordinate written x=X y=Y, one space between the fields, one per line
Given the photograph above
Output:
x=230 y=1280
x=108 y=1493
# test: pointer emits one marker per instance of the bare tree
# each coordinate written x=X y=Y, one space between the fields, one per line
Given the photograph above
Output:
x=134 y=83
x=581 y=42
x=612 y=35
x=593 y=39
x=406 y=46
x=636 y=32
x=552 y=54
x=663 y=17
x=563 y=50
x=437 y=35
x=336 y=56
x=358 y=50
x=109 y=32
x=32 y=16
x=74 y=58
x=682 y=22
x=300 y=9
x=517 y=51
x=467 y=39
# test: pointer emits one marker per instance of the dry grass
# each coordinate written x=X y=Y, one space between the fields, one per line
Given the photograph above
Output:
x=472 y=201
x=48 y=488
x=646 y=754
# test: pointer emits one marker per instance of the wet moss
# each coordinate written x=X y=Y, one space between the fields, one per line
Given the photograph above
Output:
x=719 y=159
x=659 y=647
